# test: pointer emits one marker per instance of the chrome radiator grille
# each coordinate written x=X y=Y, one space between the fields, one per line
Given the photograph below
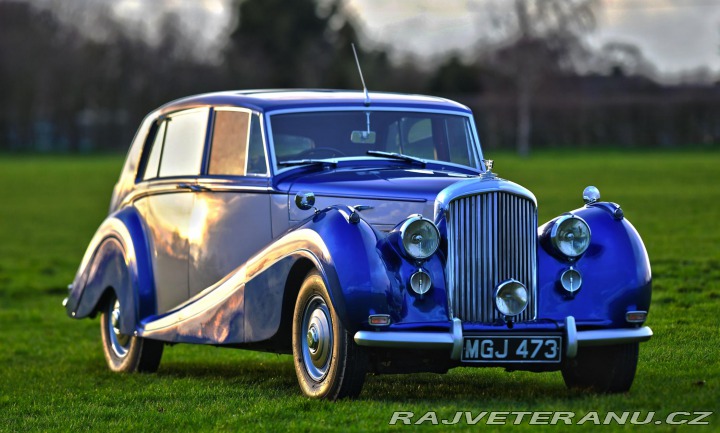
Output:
x=492 y=237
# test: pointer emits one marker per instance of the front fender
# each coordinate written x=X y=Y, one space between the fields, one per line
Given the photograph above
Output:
x=117 y=259
x=616 y=275
x=366 y=274
x=347 y=256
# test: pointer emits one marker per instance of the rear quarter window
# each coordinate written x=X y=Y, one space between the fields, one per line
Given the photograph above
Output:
x=184 y=143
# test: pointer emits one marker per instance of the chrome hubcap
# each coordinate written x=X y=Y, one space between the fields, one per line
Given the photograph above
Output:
x=120 y=342
x=313 y=339
x=317 y=345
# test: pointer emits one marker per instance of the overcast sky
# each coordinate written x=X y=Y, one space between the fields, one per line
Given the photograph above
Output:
x=674 y=35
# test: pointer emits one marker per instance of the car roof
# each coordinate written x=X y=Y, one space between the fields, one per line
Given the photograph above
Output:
x=268 y=100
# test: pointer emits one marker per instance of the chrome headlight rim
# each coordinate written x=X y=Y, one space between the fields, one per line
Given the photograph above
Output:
x=405 y=227
x=502 y=307
x=557 y=241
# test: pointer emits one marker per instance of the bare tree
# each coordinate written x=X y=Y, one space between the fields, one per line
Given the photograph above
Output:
x=545 y=36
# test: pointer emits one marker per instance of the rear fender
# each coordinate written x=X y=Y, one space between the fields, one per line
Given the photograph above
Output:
x=117 y=260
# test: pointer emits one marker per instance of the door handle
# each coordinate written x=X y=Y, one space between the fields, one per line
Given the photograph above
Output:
x=192 y=187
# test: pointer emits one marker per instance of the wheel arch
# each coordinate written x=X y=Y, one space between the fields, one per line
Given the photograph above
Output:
x=299 y=271
x=116 y=261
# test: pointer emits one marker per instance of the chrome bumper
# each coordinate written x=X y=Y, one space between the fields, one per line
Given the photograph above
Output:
x=454 y=340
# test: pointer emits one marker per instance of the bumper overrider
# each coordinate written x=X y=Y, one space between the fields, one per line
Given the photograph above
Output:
x=455 y=339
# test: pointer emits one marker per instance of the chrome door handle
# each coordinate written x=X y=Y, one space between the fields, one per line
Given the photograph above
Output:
x=192 y=187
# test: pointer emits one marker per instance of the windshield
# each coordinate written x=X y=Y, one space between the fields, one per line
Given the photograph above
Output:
x=330 y=134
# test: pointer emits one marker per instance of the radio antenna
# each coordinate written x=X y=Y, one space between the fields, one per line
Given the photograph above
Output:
x=357 y=62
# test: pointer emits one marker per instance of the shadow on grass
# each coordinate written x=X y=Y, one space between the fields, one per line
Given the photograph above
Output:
x=467 y=385
x=277 y=376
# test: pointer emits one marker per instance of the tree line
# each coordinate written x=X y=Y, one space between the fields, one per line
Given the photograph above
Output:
x=63 y=91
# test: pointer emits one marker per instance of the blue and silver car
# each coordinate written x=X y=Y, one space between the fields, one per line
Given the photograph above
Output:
x=361 y=233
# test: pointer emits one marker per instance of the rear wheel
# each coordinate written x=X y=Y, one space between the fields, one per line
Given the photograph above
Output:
x=328 y=363
x=603 y=369
x=126 y=353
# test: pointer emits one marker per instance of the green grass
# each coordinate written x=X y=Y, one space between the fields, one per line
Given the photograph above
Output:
x=53 y=376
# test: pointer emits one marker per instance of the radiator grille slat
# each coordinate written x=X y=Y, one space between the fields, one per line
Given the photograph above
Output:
x=491 y=238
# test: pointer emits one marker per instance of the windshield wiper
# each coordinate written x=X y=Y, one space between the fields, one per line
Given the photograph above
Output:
x=399 y=156
x=308 y=162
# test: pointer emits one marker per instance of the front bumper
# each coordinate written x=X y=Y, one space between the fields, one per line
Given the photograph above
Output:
x=453 y=340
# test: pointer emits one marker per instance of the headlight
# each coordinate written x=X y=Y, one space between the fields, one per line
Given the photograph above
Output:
x=420 y=237
x=570 y=235
x=511 y=298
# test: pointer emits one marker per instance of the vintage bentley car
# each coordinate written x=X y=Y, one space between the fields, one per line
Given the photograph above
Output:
x=362 y=233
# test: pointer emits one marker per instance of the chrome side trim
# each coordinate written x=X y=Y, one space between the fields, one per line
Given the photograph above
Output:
x=606 y=337
x=571 y=337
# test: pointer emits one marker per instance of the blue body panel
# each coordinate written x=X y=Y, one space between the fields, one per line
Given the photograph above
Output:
x=615 y=269
x=118 y=259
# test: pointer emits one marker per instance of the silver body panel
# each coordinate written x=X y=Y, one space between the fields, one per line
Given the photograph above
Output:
x=224 y=232
x=167 y=217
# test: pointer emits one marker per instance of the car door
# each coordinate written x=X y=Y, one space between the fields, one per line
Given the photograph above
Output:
x=167 y=196
x=230 y=220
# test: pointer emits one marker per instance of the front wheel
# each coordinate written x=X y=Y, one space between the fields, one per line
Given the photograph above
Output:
x=126 y=353
x=603 y=369
x=328 y=363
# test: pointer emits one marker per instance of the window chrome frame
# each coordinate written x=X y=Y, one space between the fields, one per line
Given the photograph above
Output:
x=211 y=132
x=470 y=125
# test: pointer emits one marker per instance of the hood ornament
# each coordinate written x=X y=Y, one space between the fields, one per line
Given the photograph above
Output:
x=488 y=174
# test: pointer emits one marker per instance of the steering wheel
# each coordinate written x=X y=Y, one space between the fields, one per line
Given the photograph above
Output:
x=320 y=152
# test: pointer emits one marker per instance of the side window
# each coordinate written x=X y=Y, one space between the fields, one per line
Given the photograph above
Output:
x=229 y=143
x=257 y=163
x=153 y=161
x=182 y=153
x=237 y=145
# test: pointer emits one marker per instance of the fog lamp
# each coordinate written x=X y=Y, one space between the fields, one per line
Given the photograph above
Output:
x=420 y=282
x=571 y=280
x=511 y=298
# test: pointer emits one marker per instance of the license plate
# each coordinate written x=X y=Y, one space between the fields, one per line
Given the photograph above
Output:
x=512 y=349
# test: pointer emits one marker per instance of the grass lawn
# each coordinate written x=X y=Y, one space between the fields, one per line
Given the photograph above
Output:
x=53 y=375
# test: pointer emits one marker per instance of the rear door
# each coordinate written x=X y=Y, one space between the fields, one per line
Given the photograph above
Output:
x=167 y=183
